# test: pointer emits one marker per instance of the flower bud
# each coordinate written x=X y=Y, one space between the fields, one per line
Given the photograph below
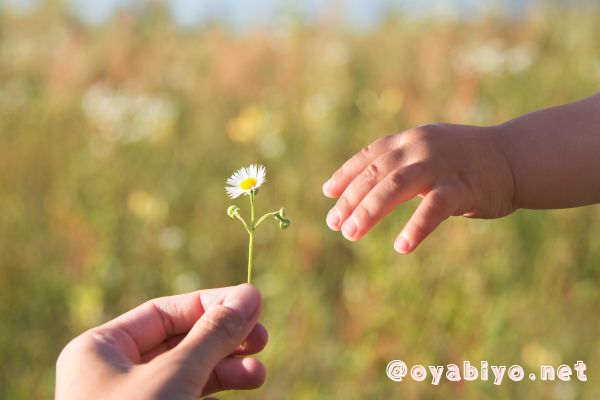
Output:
x=232 y=211
x=282 y=212
x=284 y=223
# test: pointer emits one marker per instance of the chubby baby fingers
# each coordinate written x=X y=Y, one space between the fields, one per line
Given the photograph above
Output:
x=437 y=205
x=365 y=182
x=397 y=187
x=336 y=185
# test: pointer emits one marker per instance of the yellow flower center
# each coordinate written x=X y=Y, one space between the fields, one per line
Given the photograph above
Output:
x=248 y=183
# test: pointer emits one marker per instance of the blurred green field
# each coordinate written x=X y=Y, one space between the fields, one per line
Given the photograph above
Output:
x=116 y=141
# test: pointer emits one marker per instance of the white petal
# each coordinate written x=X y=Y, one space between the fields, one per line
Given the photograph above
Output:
x=236 y=178
x=244 y=173
x=261 y=175
x=234 y=192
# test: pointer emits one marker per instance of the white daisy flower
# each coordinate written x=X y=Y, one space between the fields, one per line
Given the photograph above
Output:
x=245 y=180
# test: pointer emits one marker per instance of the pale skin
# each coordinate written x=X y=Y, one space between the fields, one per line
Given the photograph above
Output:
x=543 y=160
x=178 y=347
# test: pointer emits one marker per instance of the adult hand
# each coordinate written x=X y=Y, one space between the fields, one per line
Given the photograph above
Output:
x=177 y=347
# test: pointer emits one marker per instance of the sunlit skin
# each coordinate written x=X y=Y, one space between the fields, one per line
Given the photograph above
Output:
x=179 y=347
x=543 y=160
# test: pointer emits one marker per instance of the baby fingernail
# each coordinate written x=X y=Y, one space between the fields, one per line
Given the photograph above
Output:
x=328 y=186
x=333 y=219
x=349 y=229
x=401 y=245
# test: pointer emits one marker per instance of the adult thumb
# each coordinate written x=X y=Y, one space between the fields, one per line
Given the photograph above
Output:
x=220 y=330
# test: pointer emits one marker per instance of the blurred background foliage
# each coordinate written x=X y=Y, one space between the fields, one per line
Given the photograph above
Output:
x=116 y=140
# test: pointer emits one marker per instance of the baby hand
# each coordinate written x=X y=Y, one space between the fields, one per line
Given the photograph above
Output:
x=457 y=169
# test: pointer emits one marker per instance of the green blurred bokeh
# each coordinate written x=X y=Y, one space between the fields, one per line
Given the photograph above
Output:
x=115 y=143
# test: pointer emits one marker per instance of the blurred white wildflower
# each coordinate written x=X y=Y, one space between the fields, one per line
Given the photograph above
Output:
x=493 y=58
x=171 y=238
x=318 y=106
x=271 y=145
x=121 y=116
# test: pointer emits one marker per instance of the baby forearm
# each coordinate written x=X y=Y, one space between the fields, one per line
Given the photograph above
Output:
x=555 y=155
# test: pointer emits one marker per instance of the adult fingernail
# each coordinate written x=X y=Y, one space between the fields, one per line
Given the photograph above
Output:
x=349 y=229
x=244 y=299
x=333 y=219
x=402 y=245
x=328 y=186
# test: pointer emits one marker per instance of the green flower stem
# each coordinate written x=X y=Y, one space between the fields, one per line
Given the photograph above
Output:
x=251 y=233
x=243 y=222
x=265 y=217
